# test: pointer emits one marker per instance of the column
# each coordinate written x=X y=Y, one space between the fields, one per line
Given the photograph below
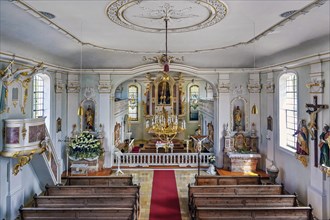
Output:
x=222 y=116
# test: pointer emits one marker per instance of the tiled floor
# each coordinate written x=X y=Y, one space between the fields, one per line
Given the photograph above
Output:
x=145 y=177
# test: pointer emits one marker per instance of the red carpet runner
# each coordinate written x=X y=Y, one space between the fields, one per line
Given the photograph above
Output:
x=164 y=199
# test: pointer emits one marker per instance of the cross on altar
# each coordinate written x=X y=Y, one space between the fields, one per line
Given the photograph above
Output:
x=312 y=110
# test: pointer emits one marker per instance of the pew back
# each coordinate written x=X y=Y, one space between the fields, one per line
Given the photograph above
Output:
x=90 y=190
x=260 y=213
x=202 y=200
x=227 y=180
x=99 y=180
x=114 y=201
x=77 y=213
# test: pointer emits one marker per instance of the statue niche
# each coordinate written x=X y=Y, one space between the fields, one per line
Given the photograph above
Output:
x=88 y=117
x=239 y=119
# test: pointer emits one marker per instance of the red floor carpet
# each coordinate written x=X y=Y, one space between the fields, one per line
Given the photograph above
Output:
x=164 y=199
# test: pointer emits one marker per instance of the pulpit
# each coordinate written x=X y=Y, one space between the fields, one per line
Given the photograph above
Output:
x=241 y=152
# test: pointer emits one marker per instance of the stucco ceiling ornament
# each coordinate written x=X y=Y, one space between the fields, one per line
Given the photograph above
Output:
x=162 y=58
x=148 y=16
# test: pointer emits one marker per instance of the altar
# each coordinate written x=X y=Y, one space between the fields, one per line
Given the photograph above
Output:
x=239 y=162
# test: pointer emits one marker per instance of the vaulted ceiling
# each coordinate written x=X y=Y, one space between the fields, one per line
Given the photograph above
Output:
x=127 y=33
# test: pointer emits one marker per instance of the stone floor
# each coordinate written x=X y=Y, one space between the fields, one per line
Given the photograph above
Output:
x=145 y=177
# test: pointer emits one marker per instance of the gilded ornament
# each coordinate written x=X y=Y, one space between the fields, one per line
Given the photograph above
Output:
x=303 y=159
x=24 y=131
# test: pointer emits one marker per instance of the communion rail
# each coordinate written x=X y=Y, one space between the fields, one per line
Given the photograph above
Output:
x=162 y=159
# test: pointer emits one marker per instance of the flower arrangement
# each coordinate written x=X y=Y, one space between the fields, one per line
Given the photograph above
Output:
x=211 y=159
x=84 y=146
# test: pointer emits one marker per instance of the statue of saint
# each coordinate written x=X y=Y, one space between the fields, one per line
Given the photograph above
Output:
x=237 y=117
x=89 y=115
x=324 y=146
x=302 y=138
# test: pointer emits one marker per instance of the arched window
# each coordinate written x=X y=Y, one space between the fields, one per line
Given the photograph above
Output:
x=193 y=102
x=41 y=97
x=288 y=109
x=133 y=102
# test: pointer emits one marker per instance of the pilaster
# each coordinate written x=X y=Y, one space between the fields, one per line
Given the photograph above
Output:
x=317 y=189
x=270 y=117
x=222 y=113
x=73 y=89
x=59 y=89
x=104 y=88
x=254 y=88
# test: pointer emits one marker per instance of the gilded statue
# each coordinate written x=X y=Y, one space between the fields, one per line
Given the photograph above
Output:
x=237 y=117
x=89 y=115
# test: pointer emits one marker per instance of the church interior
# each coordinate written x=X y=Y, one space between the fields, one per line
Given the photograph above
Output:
x=148 y=109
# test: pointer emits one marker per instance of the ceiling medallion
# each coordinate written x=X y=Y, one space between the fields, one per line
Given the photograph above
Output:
x=148 y=16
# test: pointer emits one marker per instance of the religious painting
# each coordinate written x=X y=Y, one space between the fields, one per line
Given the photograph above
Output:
x=164 y=95
x=36 y=133
x=117 y=134
x=269 y=123
x=12 y=135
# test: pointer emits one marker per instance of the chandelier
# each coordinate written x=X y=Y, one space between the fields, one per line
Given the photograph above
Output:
x=164 y=125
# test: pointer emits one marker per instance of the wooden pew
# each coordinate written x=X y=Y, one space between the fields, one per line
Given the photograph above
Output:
x=99 y=180
x=227 y=180
x=234 y=190
x=91 y=190
x=77 y=213
x=255 y=213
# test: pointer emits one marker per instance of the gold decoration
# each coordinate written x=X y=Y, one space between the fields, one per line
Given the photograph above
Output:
x=303 y=159
x=325 y=170
x=22 y=161
x=24 y=131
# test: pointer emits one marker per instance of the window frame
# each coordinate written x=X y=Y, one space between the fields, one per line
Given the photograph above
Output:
x=136 y=104
x=190 y=101
x=288 y=124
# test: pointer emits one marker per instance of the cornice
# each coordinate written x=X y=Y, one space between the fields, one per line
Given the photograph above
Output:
x=200 y=72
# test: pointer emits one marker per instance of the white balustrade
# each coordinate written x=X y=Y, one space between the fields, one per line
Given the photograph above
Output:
x=163 y=159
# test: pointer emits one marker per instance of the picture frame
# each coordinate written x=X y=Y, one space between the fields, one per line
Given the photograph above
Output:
x=269 y=123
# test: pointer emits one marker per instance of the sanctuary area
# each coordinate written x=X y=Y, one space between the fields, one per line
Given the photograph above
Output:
x=134 y=109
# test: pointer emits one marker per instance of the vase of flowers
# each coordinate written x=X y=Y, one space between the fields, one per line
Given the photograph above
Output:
x=211 y=169
x=85 y=147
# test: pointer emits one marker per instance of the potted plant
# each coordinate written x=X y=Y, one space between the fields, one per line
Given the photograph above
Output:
x=85 y=147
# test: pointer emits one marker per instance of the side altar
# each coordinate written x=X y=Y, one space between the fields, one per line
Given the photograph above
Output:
x=241 y=152
x=84 y=151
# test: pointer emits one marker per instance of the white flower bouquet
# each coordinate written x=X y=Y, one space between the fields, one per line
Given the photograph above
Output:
x=84 y=146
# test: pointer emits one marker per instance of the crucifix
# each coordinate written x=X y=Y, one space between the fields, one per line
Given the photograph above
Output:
x=312 y=110
x=199 y=139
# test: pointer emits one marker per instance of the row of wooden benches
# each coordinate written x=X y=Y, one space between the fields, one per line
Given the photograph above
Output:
x=212 y=198
x=87 y=198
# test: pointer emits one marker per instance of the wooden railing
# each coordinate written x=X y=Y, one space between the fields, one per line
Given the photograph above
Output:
x=51 y=158
x=163 y=159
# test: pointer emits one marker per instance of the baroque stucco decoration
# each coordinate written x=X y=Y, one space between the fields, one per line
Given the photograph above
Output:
x=147 y=16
